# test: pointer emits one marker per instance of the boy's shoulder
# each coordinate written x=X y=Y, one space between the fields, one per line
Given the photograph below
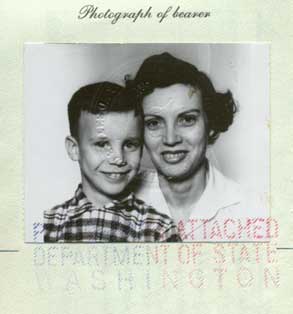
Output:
x=71 y=205
x=160 y=223
x=150 y=212
x=60 y=210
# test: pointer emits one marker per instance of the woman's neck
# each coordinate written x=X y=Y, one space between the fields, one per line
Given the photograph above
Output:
x=182 y=195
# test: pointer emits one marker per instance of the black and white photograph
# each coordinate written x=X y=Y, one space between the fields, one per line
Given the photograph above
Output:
x=147 y=142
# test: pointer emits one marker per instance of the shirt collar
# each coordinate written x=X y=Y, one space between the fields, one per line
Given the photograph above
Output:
x=80 y=203
x=219 y=193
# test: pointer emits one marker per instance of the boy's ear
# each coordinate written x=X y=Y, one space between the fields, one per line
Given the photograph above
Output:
x=72 y=148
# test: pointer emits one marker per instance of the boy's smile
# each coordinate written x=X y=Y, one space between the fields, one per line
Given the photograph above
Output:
x=109 y=156
x=115 y=176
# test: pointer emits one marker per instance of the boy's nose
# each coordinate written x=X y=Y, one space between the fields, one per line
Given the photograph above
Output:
x=117 y=157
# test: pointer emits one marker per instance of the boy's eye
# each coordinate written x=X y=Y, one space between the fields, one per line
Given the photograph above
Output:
x=132 y=145
x=153 y=124
x=187 y=120
x=102 y=144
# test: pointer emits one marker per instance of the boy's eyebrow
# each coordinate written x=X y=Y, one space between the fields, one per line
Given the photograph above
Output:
x=99 y=137
x=106 y=138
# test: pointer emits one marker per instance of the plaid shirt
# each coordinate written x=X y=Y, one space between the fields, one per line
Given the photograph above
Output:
x=129 y=220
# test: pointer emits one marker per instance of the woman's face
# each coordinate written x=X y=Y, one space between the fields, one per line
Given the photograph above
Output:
x=175 y=130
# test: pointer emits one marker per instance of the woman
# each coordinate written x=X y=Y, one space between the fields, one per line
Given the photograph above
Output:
x=183 y=114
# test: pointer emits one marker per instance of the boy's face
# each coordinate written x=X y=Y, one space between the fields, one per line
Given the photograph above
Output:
x=109 y=151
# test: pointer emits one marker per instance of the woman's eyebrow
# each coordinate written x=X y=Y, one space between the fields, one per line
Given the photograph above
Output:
x=189 y=111
x=135 y=138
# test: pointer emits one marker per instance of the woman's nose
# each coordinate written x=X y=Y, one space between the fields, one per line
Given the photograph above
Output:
x=171 y=136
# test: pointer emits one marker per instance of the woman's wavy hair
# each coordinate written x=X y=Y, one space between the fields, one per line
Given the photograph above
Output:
x=164 y=70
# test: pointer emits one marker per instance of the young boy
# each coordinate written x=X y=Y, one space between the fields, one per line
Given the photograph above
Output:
x=106 y=140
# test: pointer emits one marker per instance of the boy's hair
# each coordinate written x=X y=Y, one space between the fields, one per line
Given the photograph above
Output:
x=97 y=98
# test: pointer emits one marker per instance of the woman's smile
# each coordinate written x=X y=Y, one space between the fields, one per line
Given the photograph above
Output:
x=174 y=157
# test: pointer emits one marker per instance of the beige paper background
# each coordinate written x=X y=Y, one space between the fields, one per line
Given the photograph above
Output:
x=34 y=280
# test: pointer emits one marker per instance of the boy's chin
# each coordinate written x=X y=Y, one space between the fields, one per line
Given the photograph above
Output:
x=118 y=194
x=117 y=191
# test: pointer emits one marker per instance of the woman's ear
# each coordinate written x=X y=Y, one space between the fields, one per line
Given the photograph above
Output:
x=72 y=149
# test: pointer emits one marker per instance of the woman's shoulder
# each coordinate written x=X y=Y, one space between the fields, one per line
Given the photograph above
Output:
x=245 y=202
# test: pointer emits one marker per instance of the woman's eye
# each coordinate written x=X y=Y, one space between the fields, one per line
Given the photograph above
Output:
x=187 y=120
x=152 y=124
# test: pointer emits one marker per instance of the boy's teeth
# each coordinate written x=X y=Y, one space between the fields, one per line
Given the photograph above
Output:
x=114 y=175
